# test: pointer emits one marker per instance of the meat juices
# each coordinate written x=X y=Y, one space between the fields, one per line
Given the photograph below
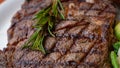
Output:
x=82 y=40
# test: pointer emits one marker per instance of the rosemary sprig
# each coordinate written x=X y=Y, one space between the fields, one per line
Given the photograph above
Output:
x=45 y=23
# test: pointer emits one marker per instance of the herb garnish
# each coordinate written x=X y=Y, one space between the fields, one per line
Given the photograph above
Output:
x=45 y=22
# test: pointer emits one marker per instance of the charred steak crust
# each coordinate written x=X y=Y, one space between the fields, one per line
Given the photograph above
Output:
x=82 y=40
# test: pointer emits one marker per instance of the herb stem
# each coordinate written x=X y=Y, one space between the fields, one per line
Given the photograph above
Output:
x=60 y=5
x=46 y=20
x=114 y=60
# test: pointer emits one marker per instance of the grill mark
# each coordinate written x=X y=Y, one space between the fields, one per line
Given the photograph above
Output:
x=85 y=7
x=20 y=58
x=78 y=35
x=74 y=36
x=59 y=58
x=87 y=38
x=10 y=36
x=86 y=54
x=16 y=43
x=101 y=11
x=71 y=48
x=78 y=52
x=97 y=16
x=69 y=27
x=92 y=47
x=28 y=17
x=39 y=5
x=31 y=6
x=83 y=29
x=64 y=53
x=82 y=34
x=74 y=40
x=51 y=63
x=89 y=8
x=28 y=62
x=71 y=45
x=77 y=24
x=34 y=7
x=88 y=51
x=52 y=51
x=104 y=10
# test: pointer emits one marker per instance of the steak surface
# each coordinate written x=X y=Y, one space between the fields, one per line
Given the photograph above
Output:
x=116 y=1
x=3 y=61
x=83 y=40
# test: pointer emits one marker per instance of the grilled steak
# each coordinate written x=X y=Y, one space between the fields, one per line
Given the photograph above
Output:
x=82 y=40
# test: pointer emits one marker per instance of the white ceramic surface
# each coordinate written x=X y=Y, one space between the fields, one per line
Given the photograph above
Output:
x=7 y=11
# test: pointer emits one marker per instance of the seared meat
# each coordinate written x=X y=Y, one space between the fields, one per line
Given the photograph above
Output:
x=82 y=40
x=116 y=1
x=2 y=60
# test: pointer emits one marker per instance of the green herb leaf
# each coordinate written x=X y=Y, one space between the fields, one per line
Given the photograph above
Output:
x=54 y=7
x=39 y=14
x=60 y=5
x=114 y=60
x=50 y=23
x=36 y=43
x=45 y=18
x=117 y=31
x=41 y=45
x=61 y=15
x=116 y=47
x=43 y=21
x=49 y=30
x=34 y=35
x=31 y=39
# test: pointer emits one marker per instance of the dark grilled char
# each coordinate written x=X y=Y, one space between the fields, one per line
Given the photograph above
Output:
x=82 y=40
x=116 y=2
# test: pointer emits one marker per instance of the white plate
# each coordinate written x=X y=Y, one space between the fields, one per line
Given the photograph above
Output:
x=7 y=11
